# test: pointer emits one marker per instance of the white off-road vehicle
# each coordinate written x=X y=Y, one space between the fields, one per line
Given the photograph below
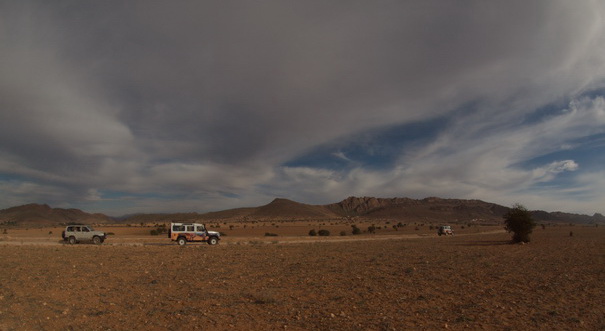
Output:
x=74 y=234
x=445 y=230
x=184 y=232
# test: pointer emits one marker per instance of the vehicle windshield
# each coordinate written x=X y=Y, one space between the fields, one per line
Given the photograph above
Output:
x=88 y=228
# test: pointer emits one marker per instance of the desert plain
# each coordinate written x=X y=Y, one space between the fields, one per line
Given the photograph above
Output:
x=396 y=279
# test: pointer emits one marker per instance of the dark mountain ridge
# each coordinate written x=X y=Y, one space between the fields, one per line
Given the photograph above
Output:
x=42 y=215
x=430 y=209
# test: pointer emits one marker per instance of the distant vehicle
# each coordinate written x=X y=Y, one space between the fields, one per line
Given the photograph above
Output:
x=192 y=232
x=445 y=230
x=74 y=234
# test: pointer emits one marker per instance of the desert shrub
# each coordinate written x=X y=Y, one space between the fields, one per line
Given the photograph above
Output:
x=230 y=227
x=371 y=229
x=518 y=220
x=324 y=233
x=431 y=227
x=269 y=234
x=223 y=234
x=50 y=232
x=312 y=232
x=343 y=233
x=356 y=230
x=154 y=232
x=543 y=226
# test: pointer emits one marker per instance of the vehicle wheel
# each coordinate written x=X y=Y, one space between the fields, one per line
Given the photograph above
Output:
x=181 y=241
x=212 y=241
x=72 y=240
x=96 y=240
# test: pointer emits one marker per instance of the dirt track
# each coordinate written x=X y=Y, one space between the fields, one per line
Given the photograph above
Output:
x=460 y=282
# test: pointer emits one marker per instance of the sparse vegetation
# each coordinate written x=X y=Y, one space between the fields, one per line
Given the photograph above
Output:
x=269 y=234
x=313 y=233
x=324 y=233
x=356 y=230
x=160 y=229
x=519 y=221
x=343 y=233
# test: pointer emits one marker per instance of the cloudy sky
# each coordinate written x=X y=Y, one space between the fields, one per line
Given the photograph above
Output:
x=157 y=106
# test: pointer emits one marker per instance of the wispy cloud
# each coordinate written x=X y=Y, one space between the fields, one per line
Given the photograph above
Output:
x=209 y=102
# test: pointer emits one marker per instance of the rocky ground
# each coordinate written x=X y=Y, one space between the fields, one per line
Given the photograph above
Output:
x=473 y=281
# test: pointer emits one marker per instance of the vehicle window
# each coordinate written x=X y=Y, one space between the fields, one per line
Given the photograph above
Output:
x=190 y=228
x=70 y=228
x=77 y=229
x=199 y=228
x=85 y=229
x=178 y=228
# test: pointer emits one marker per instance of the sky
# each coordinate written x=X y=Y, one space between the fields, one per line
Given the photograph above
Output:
x=146 y=106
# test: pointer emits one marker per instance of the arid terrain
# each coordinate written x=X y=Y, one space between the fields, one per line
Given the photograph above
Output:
x=401 y=279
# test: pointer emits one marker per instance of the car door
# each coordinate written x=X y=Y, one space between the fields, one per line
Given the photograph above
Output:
x=200 y=232
x=85 y=233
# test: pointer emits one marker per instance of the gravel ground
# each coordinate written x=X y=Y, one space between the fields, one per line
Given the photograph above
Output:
x=462 y=282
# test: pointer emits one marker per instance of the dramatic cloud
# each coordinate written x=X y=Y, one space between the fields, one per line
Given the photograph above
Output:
x=158 y=106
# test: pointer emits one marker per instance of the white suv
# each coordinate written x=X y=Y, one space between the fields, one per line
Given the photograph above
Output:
x=74 y=234
x=445 y=230
x=184 y=232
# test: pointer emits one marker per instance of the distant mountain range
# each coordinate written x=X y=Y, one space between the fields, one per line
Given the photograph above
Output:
x=430 y=210
x=42 y=215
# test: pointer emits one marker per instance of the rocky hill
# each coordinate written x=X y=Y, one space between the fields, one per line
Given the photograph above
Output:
x=44 y=215
x=431 y=210
x=424 y=210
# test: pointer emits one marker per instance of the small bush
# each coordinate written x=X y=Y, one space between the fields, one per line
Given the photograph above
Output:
x=343 y=233
x=312 y=233
x=269 y=234
x=154 y=232
x=372 y=229
x=324 y=233
x=356 y=230
x=518 y=220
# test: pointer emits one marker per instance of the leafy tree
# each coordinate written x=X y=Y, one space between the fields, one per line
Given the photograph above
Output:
x=518 y=220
